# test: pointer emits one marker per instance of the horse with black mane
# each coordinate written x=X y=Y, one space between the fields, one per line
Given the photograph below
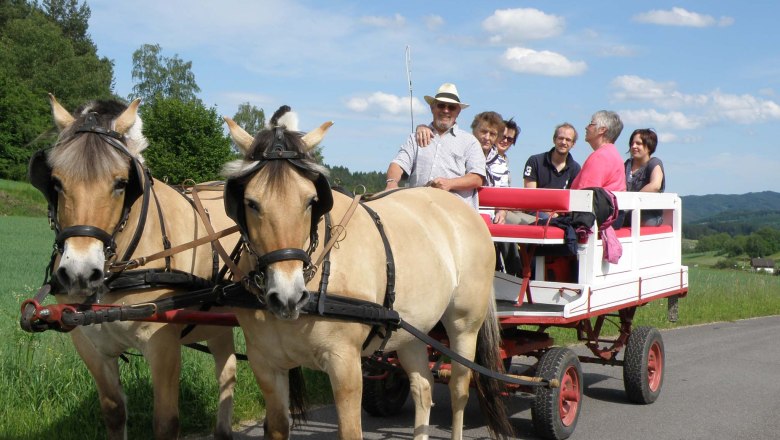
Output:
x=106 y=209
x=421 y=252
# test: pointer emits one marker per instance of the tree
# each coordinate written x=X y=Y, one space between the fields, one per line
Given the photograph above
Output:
x=35 y=59
x=250 y=118
x=157 y=76
x=74 y=21
x=186 y=140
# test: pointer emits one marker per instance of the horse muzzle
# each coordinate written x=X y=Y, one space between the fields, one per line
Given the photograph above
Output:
x=80 y=271
x=286 y=293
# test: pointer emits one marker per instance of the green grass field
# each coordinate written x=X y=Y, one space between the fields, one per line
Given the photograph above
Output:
x=46 y=392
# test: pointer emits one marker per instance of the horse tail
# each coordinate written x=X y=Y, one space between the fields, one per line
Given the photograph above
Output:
x=298 y=402
x=490 y=391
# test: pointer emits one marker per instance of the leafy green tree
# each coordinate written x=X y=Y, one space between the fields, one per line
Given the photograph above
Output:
x=157 y=76
x=73 y=19
x=37 y=58
x=186 y=140
x=373 y=181
x=250 y=118
x=713 y=242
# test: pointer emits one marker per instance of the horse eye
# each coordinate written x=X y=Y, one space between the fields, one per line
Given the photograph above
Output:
x=120 y=185
x=251 y=204
x=56 y=184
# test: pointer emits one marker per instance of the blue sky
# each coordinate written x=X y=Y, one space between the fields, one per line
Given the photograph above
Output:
x=704 y=74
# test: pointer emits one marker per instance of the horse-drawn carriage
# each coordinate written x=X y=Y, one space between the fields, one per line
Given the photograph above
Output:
x=404 y=279
x=578 y=290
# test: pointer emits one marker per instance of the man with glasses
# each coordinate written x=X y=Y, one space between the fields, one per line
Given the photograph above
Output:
x=453 y=161
x=604 y=167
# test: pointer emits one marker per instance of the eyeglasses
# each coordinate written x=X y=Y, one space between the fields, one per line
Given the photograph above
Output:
x=509 y=139
x=450 y=107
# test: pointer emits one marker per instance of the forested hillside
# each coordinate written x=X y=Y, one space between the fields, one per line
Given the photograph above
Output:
x=697 y=208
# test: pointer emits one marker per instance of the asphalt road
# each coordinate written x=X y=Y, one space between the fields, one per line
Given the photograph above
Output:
x=722 y=382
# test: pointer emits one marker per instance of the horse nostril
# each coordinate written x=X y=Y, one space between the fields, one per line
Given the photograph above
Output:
x=96 y=275
x=304 y=299
x=272 y=298
x=62 y=275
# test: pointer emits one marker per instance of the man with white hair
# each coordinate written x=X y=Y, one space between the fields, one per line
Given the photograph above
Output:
x=452 y=161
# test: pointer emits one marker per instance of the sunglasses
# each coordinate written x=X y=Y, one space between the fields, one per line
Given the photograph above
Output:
x=450 y=107
x=509 y=139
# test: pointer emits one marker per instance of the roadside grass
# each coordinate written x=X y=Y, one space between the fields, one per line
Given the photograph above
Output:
x=47 y=392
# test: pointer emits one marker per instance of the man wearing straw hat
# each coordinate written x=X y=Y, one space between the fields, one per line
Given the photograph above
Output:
x=452 y=161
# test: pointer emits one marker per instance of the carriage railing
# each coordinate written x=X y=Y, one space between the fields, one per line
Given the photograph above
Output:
x=585 y=282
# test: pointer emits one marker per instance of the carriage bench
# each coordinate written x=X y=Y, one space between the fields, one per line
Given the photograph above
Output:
x=568 y=288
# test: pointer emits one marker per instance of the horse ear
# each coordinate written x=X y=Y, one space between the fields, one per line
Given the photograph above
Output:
x=127 y=118
x=242 y=139
x=314 y=137
x=62 y=118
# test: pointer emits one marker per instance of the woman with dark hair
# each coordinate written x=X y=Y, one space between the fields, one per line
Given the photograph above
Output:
x=644 y=172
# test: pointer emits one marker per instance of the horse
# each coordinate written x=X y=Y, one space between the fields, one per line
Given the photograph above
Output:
x=105 y=208
x=444 y=265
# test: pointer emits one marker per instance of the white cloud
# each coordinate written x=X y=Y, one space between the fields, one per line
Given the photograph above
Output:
x=745 y=109
x=396 y=20
x=714 y=106
x=663 y=94
x=523 y=60
x=519 y=25
x=433 y=22
x=384 y=103
x=652 y=117
x=617 y=50
x=681 y=17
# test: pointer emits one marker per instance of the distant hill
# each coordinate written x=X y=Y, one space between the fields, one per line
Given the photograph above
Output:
x=709 y=207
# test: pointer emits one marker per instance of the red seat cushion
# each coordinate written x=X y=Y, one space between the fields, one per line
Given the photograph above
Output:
x=644 y=230
x=529 y=199
x=526 y=231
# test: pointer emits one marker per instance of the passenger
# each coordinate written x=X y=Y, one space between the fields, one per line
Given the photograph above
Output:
x=486 y=127
x=555 y=168
x=644 y=172
x=453 y=161
x=499 y=167
x=604 y=167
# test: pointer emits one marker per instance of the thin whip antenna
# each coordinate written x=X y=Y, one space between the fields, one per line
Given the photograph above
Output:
x=409 y=78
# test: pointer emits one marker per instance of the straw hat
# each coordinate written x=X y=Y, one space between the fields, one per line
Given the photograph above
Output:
x=446 y=93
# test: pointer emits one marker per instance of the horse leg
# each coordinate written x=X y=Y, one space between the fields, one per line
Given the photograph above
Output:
x=163 y=353
x=223 y=348
x=463 y=344
x=346 y=380
x=105 y=372
x=414 y=359
x=274 y=384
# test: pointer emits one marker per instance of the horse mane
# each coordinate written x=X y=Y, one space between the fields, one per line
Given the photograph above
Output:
x=85 y=155
x=276 y=175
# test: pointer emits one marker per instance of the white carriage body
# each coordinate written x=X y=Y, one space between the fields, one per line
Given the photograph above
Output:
x=650 y=267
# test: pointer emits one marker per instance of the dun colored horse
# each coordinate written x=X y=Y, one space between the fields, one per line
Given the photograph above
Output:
x=105 y=209
x=443 y=272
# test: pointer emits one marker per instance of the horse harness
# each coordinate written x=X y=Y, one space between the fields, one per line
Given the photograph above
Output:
x=321 y=303
x=122 y=277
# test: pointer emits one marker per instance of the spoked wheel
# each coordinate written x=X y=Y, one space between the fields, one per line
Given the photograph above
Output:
x=643 y=369
x=555 y=410
x=385 y=397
